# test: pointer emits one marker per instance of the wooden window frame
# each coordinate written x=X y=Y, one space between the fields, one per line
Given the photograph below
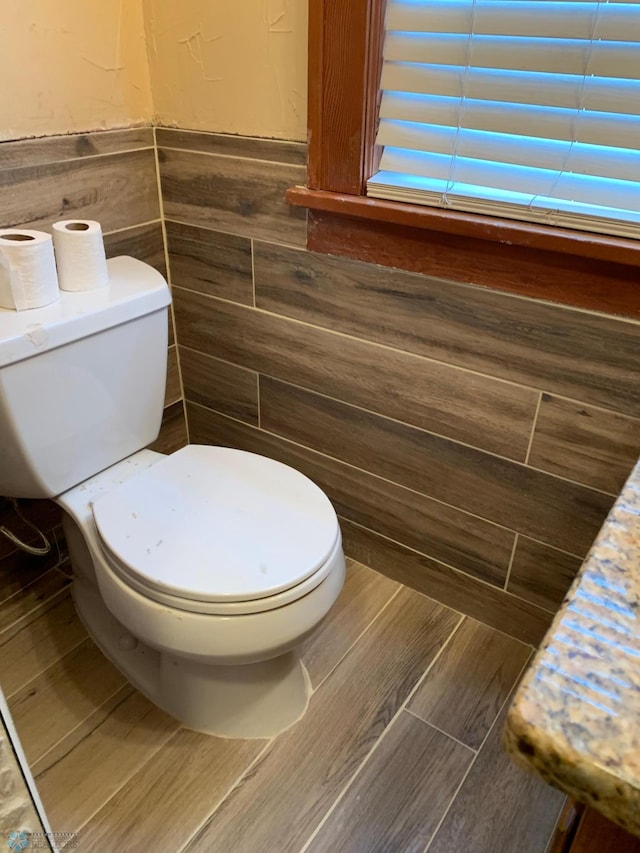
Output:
x=592 y=271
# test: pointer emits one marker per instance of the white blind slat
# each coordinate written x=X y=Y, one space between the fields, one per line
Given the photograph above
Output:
x=619 y=95
x=512 y=205
x=596 y=128
x=571 y=20
x=495 y=177
x=552 y=56
x=528 y=109
x=554 y=154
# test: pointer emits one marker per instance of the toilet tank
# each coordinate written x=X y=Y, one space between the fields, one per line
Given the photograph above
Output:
x=82 y=381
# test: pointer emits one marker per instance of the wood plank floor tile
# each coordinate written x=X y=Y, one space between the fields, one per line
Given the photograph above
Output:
x=481 y=601
x=500 y=808
x=166 y=801
x=18 y=570
x=466 y=687
x=52 y=149
x=278 y=805
x=144 y=242
x=577 y=354
x=44 y=514
x=173 y=432
x=484 y=412
x=31 y=602
x=39 y=645
x=400 y=795
x=119 y=191
x=79 y=784
x=364 y=594
x=77 y=734
x=256 y=148
x=470 y=544
x=224 y=387
x=243 y=197
x=541 y=574
x=50 y=706
x=210 y=262
x=546 y=508
x=592 y=446
x=173 y=392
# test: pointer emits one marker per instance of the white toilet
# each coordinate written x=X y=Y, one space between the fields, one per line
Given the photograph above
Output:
x=197 y=574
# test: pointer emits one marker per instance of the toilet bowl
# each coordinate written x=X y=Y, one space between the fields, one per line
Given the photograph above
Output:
x=198 y=574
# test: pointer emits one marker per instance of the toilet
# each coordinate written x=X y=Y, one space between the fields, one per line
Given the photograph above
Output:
x=198 y=574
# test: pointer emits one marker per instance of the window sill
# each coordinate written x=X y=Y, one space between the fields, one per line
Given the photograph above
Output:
x=578 y=268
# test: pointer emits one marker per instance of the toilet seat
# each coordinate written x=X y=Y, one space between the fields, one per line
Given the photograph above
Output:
x=215 y=530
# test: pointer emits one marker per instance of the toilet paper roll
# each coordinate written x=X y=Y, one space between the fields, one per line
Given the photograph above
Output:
x=80 y=254
x=28 y=276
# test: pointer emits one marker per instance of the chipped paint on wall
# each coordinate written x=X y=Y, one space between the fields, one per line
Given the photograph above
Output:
x=72 y=65
x=229 y=66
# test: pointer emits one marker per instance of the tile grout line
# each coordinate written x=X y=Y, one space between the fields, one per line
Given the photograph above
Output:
x=547 y=848
x=536 y=390
x=440 y=435
x=413 y=426
x=377 y=476
x=442 y=731
x=172 y=313
x=127 y=691
x=253 y=270
x=34 y=761
x=157 y=221
x=314 y=690
x=510 y=567
x=216 y=230
x=88 y=158
x=199 y=151
x=38 y=607
x=491 y=586
x=9 y=696
x=360 y=635
x=238 y=367
x=380 y=738
x=545 y=304
x=533 y=429
x=259 y=407
x=224 y=797
x=477 y=755
x=127 y=779
x=532 y=388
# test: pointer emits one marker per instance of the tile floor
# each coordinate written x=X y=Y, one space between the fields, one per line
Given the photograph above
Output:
x=399 y=750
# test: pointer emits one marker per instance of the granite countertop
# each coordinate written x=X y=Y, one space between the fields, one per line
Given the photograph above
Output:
x=575 y=717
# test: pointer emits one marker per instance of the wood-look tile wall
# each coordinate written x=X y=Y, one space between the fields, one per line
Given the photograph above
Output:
x=471 y=441
x=110 y=176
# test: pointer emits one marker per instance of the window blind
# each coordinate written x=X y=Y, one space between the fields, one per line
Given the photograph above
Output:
x=527 y=109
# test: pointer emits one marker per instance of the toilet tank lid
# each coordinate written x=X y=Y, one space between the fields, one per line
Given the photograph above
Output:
x=134 y=289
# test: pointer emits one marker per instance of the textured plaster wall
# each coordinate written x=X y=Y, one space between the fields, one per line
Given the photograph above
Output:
x=72 y=65
x=232 y=66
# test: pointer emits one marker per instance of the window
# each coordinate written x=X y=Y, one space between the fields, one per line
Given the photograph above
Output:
x=526 y=109
x=554 y=262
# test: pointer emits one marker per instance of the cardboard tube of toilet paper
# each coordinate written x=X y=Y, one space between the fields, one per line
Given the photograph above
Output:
x=28 y=276
x=80 y=254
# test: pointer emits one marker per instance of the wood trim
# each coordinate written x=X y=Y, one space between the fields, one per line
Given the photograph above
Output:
x=581 y=269
x=571 y=279
x=548 y=238
x=344 y=67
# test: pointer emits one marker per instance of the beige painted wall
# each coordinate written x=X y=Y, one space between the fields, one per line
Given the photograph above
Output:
x=232 y=66
x=72 y=65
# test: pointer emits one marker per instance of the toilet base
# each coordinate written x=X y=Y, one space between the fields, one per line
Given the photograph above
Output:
x=256 y=700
